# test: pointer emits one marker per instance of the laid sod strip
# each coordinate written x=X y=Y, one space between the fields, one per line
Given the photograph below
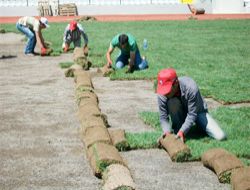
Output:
x=80 y=59
x=234 y=121
x=118 y=139
x=240 y=179
x=152 y=119
x=117 y=177
x=101 y=156
x=144 y=140
x=221 y=162
x=177 y=150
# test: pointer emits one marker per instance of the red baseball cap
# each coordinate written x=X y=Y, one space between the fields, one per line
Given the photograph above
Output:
x=72 y=25
x=166 y=78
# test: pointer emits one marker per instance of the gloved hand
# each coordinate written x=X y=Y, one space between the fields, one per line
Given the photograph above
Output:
x=66 y=48
x=162 y=137
x=43 y=51
x=180 y=135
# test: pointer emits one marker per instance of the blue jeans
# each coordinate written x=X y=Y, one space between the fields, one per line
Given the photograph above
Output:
x=140 y=63
x=30 y=34
x=204 y=120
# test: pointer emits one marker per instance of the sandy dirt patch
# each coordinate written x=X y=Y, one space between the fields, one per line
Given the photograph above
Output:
x=39 y=145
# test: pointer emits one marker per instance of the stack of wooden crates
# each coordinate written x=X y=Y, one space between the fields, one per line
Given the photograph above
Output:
x=53 y=8
x=44 y=8
x=68 y=9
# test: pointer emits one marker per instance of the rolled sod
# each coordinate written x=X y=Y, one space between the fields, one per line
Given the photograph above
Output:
x=91 y=121
x=221 y=162
x=118 y=138
x=85 y=94
x=116 y=177
x=105 y=71
x=240 y=179
x=83 y=79
x=88 y=109
x=102 y=155
x=86 y=97
x=177 y=150
x=212 y=154
x=96 y=134
x=70 y=72
x=80 y=58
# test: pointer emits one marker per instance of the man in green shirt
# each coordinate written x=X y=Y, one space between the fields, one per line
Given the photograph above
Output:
x=129 y=55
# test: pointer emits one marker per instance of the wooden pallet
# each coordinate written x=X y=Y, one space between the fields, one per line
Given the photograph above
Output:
x=68 y=9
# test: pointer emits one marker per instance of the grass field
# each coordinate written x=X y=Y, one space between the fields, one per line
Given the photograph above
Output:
x=235 y=123
x=215 y=53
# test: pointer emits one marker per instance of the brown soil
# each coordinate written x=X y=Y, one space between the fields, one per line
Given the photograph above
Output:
x=112 y=18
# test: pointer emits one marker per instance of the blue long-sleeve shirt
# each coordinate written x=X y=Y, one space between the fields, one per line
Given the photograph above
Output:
x=75 y=34
x=191 y=101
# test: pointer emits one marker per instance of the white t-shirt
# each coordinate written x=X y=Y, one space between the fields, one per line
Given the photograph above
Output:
x=30 y=22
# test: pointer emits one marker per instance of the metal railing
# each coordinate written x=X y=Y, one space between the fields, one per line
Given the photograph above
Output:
x=16 y=3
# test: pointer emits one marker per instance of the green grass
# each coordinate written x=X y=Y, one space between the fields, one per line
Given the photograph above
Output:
x=235 y=122
x=216 y=54
x=65 y=65
x=144 y=140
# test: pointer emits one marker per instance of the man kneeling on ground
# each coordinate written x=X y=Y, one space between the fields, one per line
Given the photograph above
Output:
x=73 y=33
x=179 y=98
x=129 y=55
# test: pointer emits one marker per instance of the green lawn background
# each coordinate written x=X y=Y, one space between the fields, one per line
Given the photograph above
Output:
x=214 y=53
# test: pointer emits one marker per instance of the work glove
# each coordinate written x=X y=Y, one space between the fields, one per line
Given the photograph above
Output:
x=66 y=48
x=43 y=51
x=162 y=137
x=180 y=135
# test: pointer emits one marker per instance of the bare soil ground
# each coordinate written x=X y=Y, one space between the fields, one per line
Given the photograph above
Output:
x=39 y=144
x=116 y=18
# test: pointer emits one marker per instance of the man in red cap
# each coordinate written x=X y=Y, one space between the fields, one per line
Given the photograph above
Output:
x=73 y=33
x=179 y=98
